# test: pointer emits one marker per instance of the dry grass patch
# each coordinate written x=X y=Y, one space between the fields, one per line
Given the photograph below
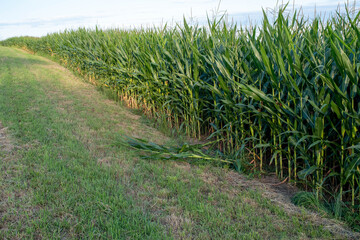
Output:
x=106 y=161
x=176 y=222
x=5 y=143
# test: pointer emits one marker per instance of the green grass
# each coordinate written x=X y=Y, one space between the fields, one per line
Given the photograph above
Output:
x=285 y=92
x=65 y=179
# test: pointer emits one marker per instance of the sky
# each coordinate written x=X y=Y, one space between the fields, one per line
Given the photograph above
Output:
x=40 y=17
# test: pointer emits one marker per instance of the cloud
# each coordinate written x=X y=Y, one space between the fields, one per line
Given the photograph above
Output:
x=53 y=21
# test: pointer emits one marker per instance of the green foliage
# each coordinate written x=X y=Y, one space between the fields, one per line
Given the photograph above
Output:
x=286 y=93
x=184 y=152
x=63 y=180
x=308 y=200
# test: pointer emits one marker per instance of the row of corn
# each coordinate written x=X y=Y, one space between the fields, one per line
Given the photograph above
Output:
x=285 y=94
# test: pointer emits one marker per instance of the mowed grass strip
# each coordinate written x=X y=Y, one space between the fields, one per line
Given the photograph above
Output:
x=64 y=179
x=69 y=195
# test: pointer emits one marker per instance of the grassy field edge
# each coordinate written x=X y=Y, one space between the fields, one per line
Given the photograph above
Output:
x=64 y=181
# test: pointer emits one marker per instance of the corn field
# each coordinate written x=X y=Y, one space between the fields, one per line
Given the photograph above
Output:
x=285 y=93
